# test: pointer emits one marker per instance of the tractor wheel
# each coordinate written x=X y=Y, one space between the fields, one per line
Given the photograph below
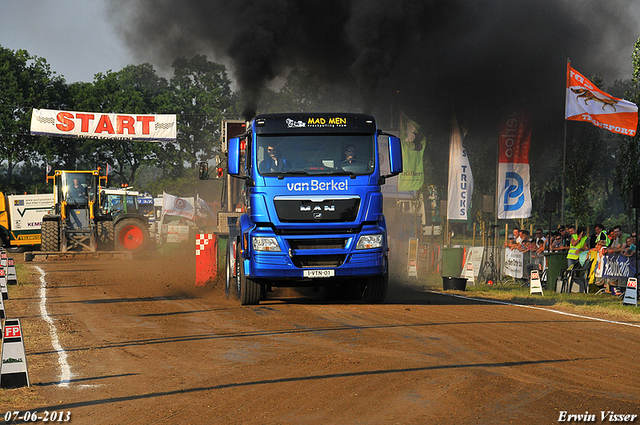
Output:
x=248 y=290
x=105 y=231
x=131 y=235
x=50 y=236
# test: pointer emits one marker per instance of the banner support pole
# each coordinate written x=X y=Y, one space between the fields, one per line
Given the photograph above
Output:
x=564 y=144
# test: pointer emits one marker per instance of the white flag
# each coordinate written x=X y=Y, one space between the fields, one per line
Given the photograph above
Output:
x=460 y=177
x=173 y=205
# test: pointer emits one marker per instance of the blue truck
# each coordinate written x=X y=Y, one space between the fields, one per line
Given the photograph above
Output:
x=313 y=205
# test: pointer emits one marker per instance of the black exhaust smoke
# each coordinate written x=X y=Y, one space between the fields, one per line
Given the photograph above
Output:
x=421 y=55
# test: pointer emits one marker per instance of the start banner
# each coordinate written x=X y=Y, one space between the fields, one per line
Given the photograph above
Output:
x=97 y=125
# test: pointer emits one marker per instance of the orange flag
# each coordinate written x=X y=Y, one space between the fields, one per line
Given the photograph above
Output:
x=586 y=102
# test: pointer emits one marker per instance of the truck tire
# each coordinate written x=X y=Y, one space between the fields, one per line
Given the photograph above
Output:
x=15 y=249
x=131 y=235
x=50 y=236
x=105 y=232
x=248 y=290
x=231 y=267
x=376 y=289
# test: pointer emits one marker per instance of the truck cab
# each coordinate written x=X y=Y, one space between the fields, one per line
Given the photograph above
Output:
x=312 y=191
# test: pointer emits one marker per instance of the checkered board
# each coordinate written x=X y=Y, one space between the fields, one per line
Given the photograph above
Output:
x=202 y=240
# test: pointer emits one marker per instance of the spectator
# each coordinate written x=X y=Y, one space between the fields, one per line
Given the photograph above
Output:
x=599 y=234
x=556 y=242
x=577 y=245
x=514 y=239
x=524 y=236
x=566 y=235
x=539 y=236
x=630 y=251
x=537 y=259
x=618 y=244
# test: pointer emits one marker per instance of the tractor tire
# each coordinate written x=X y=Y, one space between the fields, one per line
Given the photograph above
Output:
x=249 y=292
x=131 y=235
x=105 y=231
x=50 y=236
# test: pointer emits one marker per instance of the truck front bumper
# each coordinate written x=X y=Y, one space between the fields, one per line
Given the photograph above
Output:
x=282 y=266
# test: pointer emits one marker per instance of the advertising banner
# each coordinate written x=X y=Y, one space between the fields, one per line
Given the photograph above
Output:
x=513 y=263
x=412 y=176
x=96 y=125
x=514 y=195
x=172 y=205
x=616 y=265
x=460 y=177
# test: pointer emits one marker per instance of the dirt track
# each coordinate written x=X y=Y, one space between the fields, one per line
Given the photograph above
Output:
x=145 y=346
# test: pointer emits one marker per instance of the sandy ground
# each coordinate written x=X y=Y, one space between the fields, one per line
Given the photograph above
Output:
x=144 y=346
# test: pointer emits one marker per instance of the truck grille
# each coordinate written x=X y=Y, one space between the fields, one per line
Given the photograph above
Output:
x=315 y=211
x=331 y=243
x=306 y=261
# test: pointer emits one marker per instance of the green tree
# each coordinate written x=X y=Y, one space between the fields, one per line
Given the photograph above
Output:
x=201 y=95
x=136 y=89
x=27 y=82
x=627 y=172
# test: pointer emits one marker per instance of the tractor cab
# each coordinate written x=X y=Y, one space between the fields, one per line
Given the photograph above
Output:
x=73 y=226
x=118 y=201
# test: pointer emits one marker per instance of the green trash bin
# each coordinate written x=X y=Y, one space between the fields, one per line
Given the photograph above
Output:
x=556 y=261
x=452 y=261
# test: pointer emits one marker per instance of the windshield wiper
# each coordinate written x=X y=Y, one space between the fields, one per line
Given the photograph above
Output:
x=345 y=173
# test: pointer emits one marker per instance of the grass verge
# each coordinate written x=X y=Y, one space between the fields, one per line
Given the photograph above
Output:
x=600 y=305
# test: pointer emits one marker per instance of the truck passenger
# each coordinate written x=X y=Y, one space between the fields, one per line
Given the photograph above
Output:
x=274 y=163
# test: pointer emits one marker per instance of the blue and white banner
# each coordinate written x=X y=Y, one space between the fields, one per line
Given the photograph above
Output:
x=460 y=177
x=616 y=265
x=514 y=194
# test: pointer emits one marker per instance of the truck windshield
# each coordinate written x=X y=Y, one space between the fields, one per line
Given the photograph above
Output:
x=315 y=154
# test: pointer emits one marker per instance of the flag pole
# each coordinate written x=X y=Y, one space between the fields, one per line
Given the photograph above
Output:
x=564 y=153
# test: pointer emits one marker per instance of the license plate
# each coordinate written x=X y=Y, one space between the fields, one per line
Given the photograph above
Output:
x=318 y=273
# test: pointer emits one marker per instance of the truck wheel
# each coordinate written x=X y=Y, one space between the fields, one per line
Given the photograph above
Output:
x=50 y=236
x=131 y=235
x=248 y=290
x=105 y=235
x=376 y=289
x=15 y=249
x=231 y=267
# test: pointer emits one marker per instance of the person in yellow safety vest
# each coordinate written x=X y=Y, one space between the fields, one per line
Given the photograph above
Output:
x=577 y=245
x=599 y=235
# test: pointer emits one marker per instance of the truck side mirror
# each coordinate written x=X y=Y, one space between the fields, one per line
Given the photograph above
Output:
x=395 y=156
x=203 y=171
x=234 y=156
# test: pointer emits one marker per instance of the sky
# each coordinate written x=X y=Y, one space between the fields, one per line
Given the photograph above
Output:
x=80 y=38
x=425 y=55
x=76 y=37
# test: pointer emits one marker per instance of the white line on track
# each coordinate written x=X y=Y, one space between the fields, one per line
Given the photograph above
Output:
x=536 y=308
x=65 y=370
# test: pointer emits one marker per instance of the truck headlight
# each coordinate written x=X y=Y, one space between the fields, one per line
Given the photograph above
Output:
x=369 y=241
x=265 y=244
